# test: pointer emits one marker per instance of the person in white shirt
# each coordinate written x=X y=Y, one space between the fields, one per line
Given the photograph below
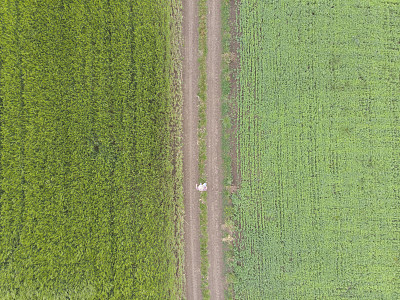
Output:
x=201 y=187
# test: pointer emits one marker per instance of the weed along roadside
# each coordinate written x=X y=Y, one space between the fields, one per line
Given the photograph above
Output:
x=202 y=141
x=231 y=181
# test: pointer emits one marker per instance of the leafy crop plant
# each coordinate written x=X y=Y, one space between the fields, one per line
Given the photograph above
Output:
x=86 y=150
x=318 y=210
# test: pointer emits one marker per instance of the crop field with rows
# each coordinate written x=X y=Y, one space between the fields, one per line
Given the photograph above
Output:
x=318 y=209
x=89 y=139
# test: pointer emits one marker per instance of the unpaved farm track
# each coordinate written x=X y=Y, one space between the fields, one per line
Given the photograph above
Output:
x=214 y=169
x=190 y=150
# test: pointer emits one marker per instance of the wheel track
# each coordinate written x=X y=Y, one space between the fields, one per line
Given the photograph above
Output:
x=190 y=149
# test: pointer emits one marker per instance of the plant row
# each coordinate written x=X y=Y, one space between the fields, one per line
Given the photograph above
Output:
x=318 y=150
x=88 y=194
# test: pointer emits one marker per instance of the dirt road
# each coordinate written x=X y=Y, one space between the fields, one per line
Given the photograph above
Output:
x=190 y=149
x=214 y=152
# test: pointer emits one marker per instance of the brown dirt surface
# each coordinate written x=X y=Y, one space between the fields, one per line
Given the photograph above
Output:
x=214 y=168
x=190 y=149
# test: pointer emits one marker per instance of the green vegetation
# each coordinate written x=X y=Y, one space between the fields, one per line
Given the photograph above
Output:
x=202 y=138
x=319 y=150
x=91 y=171
x=228 y=141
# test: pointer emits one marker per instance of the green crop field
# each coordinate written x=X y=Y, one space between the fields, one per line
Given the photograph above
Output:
x=91 y=171
x=318 y=210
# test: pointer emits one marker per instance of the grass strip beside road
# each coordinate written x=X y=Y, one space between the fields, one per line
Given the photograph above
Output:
x=202 y=138
x=228 y=111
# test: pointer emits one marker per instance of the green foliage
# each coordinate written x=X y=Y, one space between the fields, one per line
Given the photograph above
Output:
x=228 y=111
x=202 y=138
x=90 y=200
x=319 y=150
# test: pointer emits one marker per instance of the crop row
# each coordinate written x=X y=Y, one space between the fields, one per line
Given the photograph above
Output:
x=318 y=148
x=87 y=206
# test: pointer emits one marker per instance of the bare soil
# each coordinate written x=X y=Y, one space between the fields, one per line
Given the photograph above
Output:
x=190 y=149
x=214 y=168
